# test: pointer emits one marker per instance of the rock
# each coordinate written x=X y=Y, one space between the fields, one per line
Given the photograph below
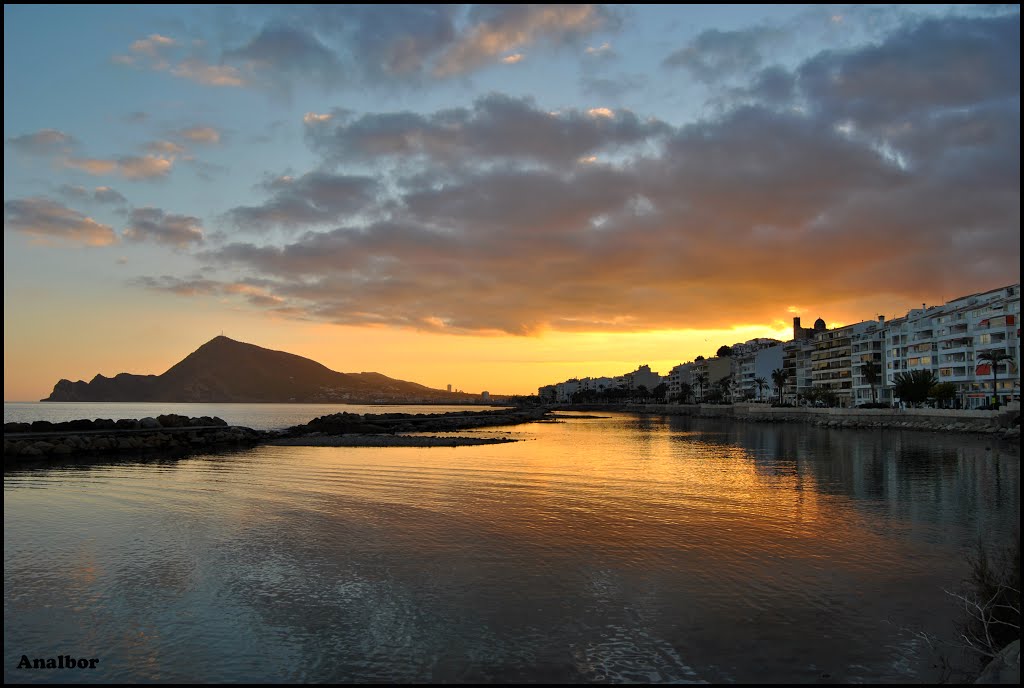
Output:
x=149 y=423
x=62 y=449
x=42 y=426
x=17 y=427
x=126 y=424
x=1004 y=669
x=173 y=420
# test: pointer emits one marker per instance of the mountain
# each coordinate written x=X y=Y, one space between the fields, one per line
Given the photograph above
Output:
x=223 y=370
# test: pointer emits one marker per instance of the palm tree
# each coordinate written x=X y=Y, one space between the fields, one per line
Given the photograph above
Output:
x=761 y=385
x=726 y=385
x=685 y=392
x=871 y=375
x=914 y=387
x=779 y=377
x=700 y=379
x=994 y=357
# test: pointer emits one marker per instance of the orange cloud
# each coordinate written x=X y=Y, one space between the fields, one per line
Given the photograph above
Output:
x=131 y=167
x=512 y=28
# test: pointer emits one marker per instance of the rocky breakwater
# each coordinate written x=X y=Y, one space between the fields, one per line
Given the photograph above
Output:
x=393 y=429
x=43 y=440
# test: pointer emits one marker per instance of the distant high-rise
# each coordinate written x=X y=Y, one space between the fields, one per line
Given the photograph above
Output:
x=449 y=388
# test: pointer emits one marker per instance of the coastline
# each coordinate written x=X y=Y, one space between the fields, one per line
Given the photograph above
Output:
x=1004 y=423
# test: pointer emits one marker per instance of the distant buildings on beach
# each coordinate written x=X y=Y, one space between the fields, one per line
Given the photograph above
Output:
x=848 y=366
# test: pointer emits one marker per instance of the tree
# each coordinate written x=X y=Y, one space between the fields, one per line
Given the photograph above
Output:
x=994 y=357
x=943 y=392
x=643 y=392
x=724 y=351
x=700 y=379
x=779 y=377
x=659 y=391
x=871 y=376
x=725 y=384
x=914 y=387
x=685 y=392
x=762 y=384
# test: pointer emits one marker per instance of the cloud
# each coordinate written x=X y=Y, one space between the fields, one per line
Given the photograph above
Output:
x=254 y=294
x=822 y=186
x=46 y=220
x=156 y=226
x=201 y=72
x=152 y=45
x=513 y=59
x=197 y=134
x=285 y=52
x=603 y=51
x=104 y=194
x=502 y=29
x=100 y=194
x=43 y=142
x=164 y=54
x=716 y=55
x=164 y=148
x=496 y=126
x=314 y=198
x=129 y=167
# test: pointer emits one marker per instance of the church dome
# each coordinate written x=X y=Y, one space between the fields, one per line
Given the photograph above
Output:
x=819 y=324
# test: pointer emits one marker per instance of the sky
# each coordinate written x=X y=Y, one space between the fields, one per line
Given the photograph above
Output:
x=493 y=197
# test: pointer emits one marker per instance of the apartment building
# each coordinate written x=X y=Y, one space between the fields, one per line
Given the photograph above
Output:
x=796 y=360
x=835 y=355
x=948 y=339
x=682 y=373
x=751 y=360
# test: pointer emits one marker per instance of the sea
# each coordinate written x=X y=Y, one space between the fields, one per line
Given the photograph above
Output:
x=601 y=548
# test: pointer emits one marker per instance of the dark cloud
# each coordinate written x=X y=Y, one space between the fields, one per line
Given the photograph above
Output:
x=821 y=186
x=497 y=126
x=105 y=194
x=716 y=55
x=43 y=142
x=46 y=221
x=393 y=42
x=285 y=53
x=380 y=45
x=100 y=194
x=156 y=226
x=953 y=62
x=312 y=199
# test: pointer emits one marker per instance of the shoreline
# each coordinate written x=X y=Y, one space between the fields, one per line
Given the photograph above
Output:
x=1004 y=423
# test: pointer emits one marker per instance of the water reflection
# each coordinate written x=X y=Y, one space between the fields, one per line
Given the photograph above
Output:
x=615 y=549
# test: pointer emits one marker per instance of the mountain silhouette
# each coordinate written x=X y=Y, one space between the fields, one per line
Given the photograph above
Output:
x=224 y=370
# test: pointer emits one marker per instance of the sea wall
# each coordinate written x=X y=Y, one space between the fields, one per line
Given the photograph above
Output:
x=1005 y=422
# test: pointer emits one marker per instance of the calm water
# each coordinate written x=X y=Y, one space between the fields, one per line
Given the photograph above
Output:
x=599 y=550
x=258 y=416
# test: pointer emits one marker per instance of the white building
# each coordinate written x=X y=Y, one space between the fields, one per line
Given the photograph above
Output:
x=680 y=374
x=948 y=339
x=751 y=360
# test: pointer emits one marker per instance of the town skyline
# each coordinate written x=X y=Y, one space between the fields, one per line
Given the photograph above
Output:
x=493 y=197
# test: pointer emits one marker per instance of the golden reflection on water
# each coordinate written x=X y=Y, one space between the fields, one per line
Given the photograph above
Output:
x=618 y=548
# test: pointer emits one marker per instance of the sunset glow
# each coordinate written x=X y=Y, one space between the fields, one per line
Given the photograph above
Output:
x=493 y=197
